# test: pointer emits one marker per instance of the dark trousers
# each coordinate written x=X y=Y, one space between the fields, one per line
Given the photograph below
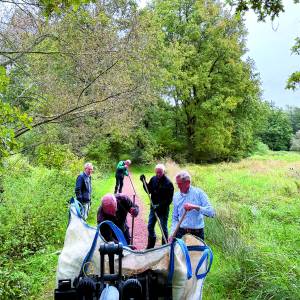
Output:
x=152 y=221
x=197 y=232
x=119 y=184
x=127 y=235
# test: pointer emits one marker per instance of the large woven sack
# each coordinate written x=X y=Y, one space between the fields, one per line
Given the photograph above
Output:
x=186 y=271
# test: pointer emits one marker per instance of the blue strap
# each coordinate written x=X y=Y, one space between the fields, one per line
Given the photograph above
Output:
x=187 y=260
x=207 y=252
x=116 y=230
x=197 y=248
x=84 y=266
x=78 y=206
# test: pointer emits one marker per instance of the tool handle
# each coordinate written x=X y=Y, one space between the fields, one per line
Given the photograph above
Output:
x=179 y=223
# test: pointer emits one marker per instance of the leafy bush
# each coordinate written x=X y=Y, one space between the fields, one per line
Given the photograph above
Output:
x=33 y=215
x=55 y=156
x=295 y=142
x=260 y=149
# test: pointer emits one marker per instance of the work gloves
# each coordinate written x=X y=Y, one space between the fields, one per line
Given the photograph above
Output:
x=142 y=178
x=134 y=211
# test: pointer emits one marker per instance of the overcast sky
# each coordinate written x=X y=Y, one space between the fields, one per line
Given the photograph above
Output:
x=269 y=46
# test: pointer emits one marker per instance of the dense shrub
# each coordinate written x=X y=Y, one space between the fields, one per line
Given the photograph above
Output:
x=33 y=215
x=54 y=156
x=295 y=142
x=260 y=149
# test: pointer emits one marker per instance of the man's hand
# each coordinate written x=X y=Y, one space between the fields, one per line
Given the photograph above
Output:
x=142 y=178
x=133 y=211
x=171 y=239
x=190 y=206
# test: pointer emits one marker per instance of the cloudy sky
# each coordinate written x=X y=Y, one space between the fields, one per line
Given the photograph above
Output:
x=269 y=46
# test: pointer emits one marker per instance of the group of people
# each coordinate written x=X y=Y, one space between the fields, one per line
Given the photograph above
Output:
x=190 y=204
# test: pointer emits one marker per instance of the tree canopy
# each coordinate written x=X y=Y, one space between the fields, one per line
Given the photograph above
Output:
x=108 y=77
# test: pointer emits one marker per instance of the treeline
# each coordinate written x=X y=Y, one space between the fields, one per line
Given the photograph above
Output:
x=110 y=80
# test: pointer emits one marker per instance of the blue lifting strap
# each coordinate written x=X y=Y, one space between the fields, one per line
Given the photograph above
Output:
x=116 y=230
x=78 y=206
x=206 y=253
x=185 y=251
x=85 y=265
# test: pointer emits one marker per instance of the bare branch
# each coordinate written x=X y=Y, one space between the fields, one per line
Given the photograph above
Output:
x=95 y=79
x=50 y=119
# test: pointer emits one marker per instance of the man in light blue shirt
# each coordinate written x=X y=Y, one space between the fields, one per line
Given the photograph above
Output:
x=195 y=202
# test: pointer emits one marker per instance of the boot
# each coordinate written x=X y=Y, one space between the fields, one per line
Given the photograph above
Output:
x=151 y=242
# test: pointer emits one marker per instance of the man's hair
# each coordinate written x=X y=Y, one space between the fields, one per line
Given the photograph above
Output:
x=107 y=201
x=184 y=176
x=88 y=164
x=128 y=162
x=160 y=167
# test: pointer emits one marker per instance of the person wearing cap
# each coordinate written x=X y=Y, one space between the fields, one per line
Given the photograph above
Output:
x=115 y=208
x=121 y=171
x=83 y=188
x=161 y=190
x=195 y=202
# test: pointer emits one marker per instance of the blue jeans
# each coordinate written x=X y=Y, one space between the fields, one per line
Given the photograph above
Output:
x=163 y=220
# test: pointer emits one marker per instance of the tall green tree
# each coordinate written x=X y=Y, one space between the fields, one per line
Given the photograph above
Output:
x=209 y=83
x=87 y=72
x=294 y=116
x=11 y=118
x=278 y=131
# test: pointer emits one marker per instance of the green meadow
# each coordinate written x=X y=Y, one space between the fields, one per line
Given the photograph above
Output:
x=254 y=237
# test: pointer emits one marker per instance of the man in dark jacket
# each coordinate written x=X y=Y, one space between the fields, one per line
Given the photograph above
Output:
x=83 y=188
x=161 y=190
x=115 y=208
x=121 y=171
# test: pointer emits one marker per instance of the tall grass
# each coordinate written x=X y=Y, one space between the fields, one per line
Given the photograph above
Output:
x=255 y=236
x=34 y=216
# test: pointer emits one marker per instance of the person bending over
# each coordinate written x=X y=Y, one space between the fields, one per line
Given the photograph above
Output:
x=115 y=208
